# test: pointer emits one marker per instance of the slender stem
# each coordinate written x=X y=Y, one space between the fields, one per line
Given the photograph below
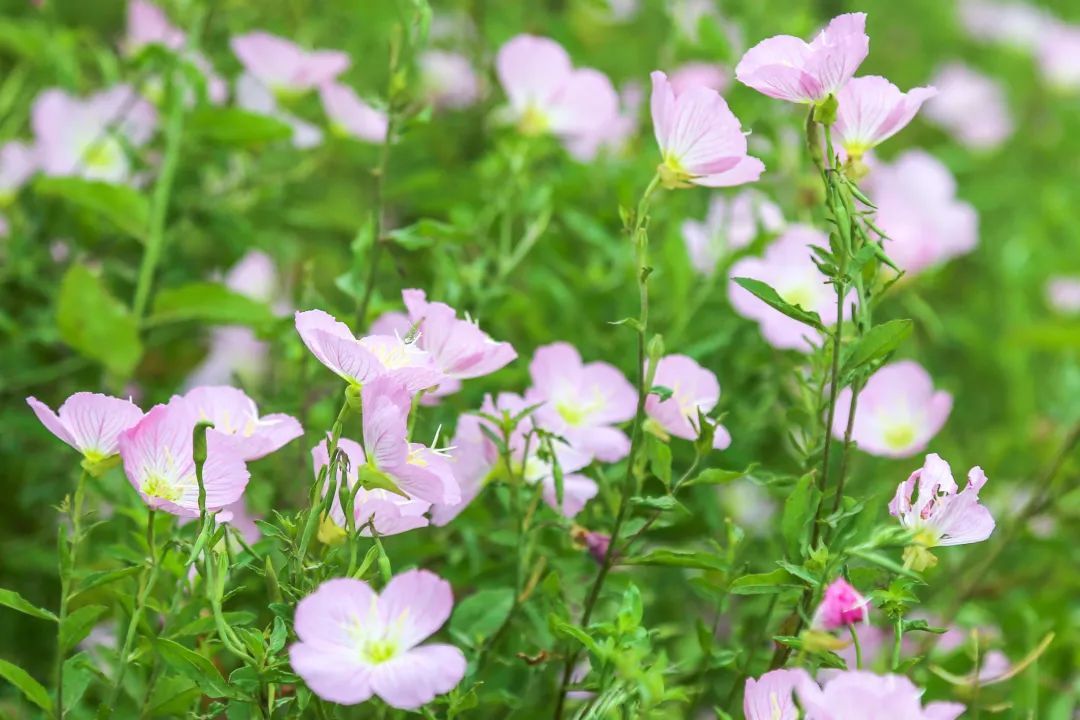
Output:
x=834 y=391
x=858 y=647
x=898 y=640
x=70 y=549
x=842 y=474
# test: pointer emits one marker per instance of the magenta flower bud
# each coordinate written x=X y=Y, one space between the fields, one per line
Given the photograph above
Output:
x=597 y=544
x=842 y=605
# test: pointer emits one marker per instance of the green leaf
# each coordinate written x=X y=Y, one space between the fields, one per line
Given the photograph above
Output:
x=659 y=454
x=15 y=601
x=30 y=687
x=561 y=627
x=714 y=476
x=194 y=667
x=78 y=624
x=212 y=303
x=923 y=626
x=660 y=502
x=78 y=674
x=104 y=577
x=678 y=558
x=95 y=323
x=278 y=636
x=772 y=298
x=630 y=611
x=424 y=234
x=878 y=342
x=765 y=583
x=233 y=126
x=799 y=510
x=481 y=614
x=121 y=206
x=207 y=624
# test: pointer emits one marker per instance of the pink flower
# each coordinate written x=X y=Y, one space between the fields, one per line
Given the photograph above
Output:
x=358 y=361
x=928 y=504
x=770 y=696
x=1058 y=55
x=731 y=224
x=89 y=422
x=284 y=67
x=389 y=512
x=1063 y=294
x=448 y=79
x=1010 y=23
x=547 y=94
x=970 y=106
x=355 y=643
x=252 y=95
x=474 y=458
x=786 y=68
x=88 y=138
x=693 y=389
x=871 y=110
x=157 y=454
x=147 y=24
x=700 y=140
x=615 y=135
x=349 y=115
x=235 y=414
x=18 y=161
x=692 y=74
x=788 y=268
x=840 y=606
x=918 y=209
x=859 y=695
x=898 y=411
x=582 y=402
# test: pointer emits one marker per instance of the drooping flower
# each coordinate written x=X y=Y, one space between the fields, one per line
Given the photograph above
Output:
x=88 y=138
x=704 y=74
x=771 y=696
x=158 y=460
x=474 y=458
x=731 y=224
x=871 y=110
x=283 y=66
x=1063 y=294
x=701 y=141
x=354 y=643
x=615 y=135
x=1058 y=55
x=970 y=106
x=351 y=116
x=448 y=79
x=548 y=94
x=89 y=422
x=694 y=390
x=918 y=210
x=841 y=605
x=787 y=68
x=234 y=414
x=389 y=512
x=582 y=401
x=860 y=695
x=1011 y=23
x=252 y=95
x=898 y=411
x=788 y=268
x=358 y=361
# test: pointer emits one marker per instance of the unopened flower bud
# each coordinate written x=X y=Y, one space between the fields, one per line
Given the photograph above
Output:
x=842 y=605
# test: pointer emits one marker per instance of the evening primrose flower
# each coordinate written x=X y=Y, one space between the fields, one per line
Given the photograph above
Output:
x=701 y=141
x=355 y=643
x=871 y=110
x=841 y=605
x=1063 y=294
x=283 y=66
x=351 y=116
x=1058 y=55
x=730 y=224
x=148 y=25
x=970 y=106
x=472 y=463
x=448 y=79
x=898 y=411
x=18 y=161
x=860 y=695
x=252 y=95
x=770 y=697
x=234 y=414
x=1011 y=23
x=91 y=423
x=615 y=135
x=705 y=74
x=694 y=392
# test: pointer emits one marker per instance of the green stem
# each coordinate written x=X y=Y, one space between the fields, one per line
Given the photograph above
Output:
x=69 y=549
x=898 y=640
x=858 y=648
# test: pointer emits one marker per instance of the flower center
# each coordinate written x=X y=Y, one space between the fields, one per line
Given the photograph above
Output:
x=104 y=154
x=379 y=651
x=533 y=122
x=672 y=173
x=157 y=486
x=899 y=436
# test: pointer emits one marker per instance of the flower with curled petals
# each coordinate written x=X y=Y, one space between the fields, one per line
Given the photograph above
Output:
x=871 y=110
x=233 y=413
x=351 y=116
x=283 y=66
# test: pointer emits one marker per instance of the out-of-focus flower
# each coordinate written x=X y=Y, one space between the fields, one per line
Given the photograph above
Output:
x=771 y=696
x=786 y=68
x=548 y=94
x=474 y=458
x=918 y=210
x=1058 y=54
x=89 y=422
x=750 y=506
x=448 y=79
x=898 y=411
x=582 y=402
x=694 y=391
x=731 y=224
x=354 y=643
x=616 y=134
x=351 y=116
x=710 y=75
x=860 y=695
x=87 y=138
x=841 y=605
x=970 y=106
x=234 y=414
x=283 y=66
x=241 y=520
x=871 y=110
x=701 y=141
x=1063 y=294
x=18 y=161
x=788 y=268
x=148 y=25
x=252 y=95
x=1011 y=23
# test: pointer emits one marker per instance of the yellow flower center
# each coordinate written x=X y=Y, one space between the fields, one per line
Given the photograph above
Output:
x=103 y=154
x=899 y=436
x=533 y=122
x=672 y=173
x=379 y=651
x=157 y=486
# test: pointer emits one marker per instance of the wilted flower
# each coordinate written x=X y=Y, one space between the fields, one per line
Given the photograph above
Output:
x=898 y=411
x=701 y=141
x=351 y=116
x=354 y=643
x=871 y=110
x=770 y=697
x=448 y=79
x=695 y=391
x=841 y=605
x=731 y=224
x=970 y=106
x=234 y=414
x=1058 y=55
x=252 y=95
x=786 y=68
x=1063 y=294
x=89 y=422
x=859 y=695
x=284 y=67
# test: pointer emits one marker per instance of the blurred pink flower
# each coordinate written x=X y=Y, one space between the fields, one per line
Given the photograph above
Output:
x=473 y=459
x=349 y=115
x=731 y=224
x=693 y=389
x=1012 y=23
x=928 y=503
x=701 y=141
x=18 y=162
x=1063 y=294
x=89 y=422
x=788 y=268
x=582 y=402
x=898 y=411
x=1058 y=54
x=88 y=138
x=970 y=106
x=860 y=695
x=253 y=95
x=546 y=92
x=872 y=110
x=236 y=415
x=918 y=210
x=354 y=643
x=786 y=68
x=616 y=134
x=770 y=697
x=841 y=605
x=283 y=66
x=147 y=24
x=448 y=79
x=704 y=74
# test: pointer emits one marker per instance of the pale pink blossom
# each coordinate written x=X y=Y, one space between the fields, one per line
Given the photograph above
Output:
x=234 y=414
x=860 y=695
x=615 y=135
x=253 y=95
x=89 y=422
x=841 y=605
x=448 y=79
x=1010 y=23
x=929 y=504
x=1058 y=55
x=695 y=391
x=701 y=141
x=18 y=162
x=147 y=24
x=704 y=74
x=771 y=696
x=158 y=460
x=918 y=210
x=970 y=106
x=871 y=110
x=582 y=402
x=730 y=224
x=898 y=411
x=1063 y=294
x=548 y=94
x=355 y=643
x=473 y=460
x=351 y=116
x=786 y=68
x=283 y=66
x=750 y=506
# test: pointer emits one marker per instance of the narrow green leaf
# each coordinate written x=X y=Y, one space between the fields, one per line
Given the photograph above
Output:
x=15 y=601
x=212 y=303
x=659 y=454
x=678 y=558
x=765 y=583
x=121 y=206
x=194 y=667
x=770 y=297
x=29 y=687
x=78 y=674
x=481 y=614
x=660 y=502
x=78 y=624
x=233 y=126
x=95 y=323
x=878 y=342
x=799 y=510
x=105 y=577
x=714 y=476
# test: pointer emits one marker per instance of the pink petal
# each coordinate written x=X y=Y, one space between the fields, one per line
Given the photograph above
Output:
x=531 y=69
x=577 y=490
x=51 y=421
x=416 y=604
x=347 y=111
x=585 y=101
x=418 y=676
